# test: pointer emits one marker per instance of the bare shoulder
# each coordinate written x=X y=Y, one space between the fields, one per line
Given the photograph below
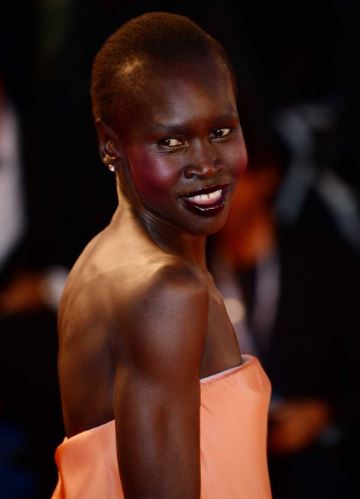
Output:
x=172 y=285
x=145 y=305
x=166 y=323
x=174 y=280
x=129 y=291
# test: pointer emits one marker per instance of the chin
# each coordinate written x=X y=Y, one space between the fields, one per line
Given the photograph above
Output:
x=209 y=225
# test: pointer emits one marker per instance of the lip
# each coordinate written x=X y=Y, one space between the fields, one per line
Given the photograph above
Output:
x=205 y=190
x=208 y=209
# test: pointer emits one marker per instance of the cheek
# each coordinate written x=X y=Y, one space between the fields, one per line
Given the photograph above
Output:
x=152 y=177
x=243 y=160
x=238 y=160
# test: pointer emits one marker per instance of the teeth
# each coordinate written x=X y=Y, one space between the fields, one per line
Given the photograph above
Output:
x=209 y=198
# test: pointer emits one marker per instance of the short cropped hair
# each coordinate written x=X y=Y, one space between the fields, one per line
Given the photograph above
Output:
x=140 y=49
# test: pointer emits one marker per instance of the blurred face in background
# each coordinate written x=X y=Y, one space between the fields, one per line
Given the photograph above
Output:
x=248 y=233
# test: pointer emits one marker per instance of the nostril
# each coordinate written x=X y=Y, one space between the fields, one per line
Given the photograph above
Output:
x=203 y=169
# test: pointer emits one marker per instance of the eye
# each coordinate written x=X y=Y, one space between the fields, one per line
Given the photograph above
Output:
x=220 y=133
x=170 y=142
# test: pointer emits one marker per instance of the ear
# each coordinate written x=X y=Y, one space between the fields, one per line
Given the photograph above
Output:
x=110 y=149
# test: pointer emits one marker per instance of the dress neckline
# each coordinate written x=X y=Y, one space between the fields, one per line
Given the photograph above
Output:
x=246 y=359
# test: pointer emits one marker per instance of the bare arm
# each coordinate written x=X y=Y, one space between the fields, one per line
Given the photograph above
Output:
x=157 y=393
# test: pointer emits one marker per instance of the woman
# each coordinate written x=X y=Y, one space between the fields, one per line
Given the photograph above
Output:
x=157 y=399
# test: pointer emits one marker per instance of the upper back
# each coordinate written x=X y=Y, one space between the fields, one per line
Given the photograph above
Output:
x=105 y=286
x=102 y=299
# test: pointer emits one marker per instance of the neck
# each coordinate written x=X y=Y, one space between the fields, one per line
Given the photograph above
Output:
x=164 y=234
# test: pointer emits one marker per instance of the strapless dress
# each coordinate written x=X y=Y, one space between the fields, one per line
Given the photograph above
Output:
x=233 y=426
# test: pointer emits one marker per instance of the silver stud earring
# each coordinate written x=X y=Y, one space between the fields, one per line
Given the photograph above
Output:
x=107 y=159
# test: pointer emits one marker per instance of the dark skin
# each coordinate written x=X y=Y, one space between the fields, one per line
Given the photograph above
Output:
x=141 y=320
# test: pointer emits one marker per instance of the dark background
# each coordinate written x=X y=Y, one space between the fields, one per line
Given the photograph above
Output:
x=283 y=53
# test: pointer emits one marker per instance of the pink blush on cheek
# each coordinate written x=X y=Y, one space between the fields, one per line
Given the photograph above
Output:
x=153 y=181
x=241 y=164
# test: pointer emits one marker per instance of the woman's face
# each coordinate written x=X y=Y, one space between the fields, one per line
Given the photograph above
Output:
x=185 y=148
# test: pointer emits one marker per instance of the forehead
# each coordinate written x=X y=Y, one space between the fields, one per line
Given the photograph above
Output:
x=182 y=93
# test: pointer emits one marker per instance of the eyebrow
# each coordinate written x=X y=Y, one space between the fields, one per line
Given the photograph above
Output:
x=184 y=126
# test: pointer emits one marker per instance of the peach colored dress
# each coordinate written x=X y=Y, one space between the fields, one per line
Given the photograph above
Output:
x=233 y=422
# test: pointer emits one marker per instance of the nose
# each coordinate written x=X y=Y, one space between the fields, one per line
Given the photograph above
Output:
x=204 y=164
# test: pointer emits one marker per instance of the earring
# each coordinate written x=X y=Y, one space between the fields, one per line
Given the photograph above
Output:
x=107 y=159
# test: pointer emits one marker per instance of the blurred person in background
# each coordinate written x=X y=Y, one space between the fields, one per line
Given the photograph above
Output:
x=287 y=262
x=29 y=293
